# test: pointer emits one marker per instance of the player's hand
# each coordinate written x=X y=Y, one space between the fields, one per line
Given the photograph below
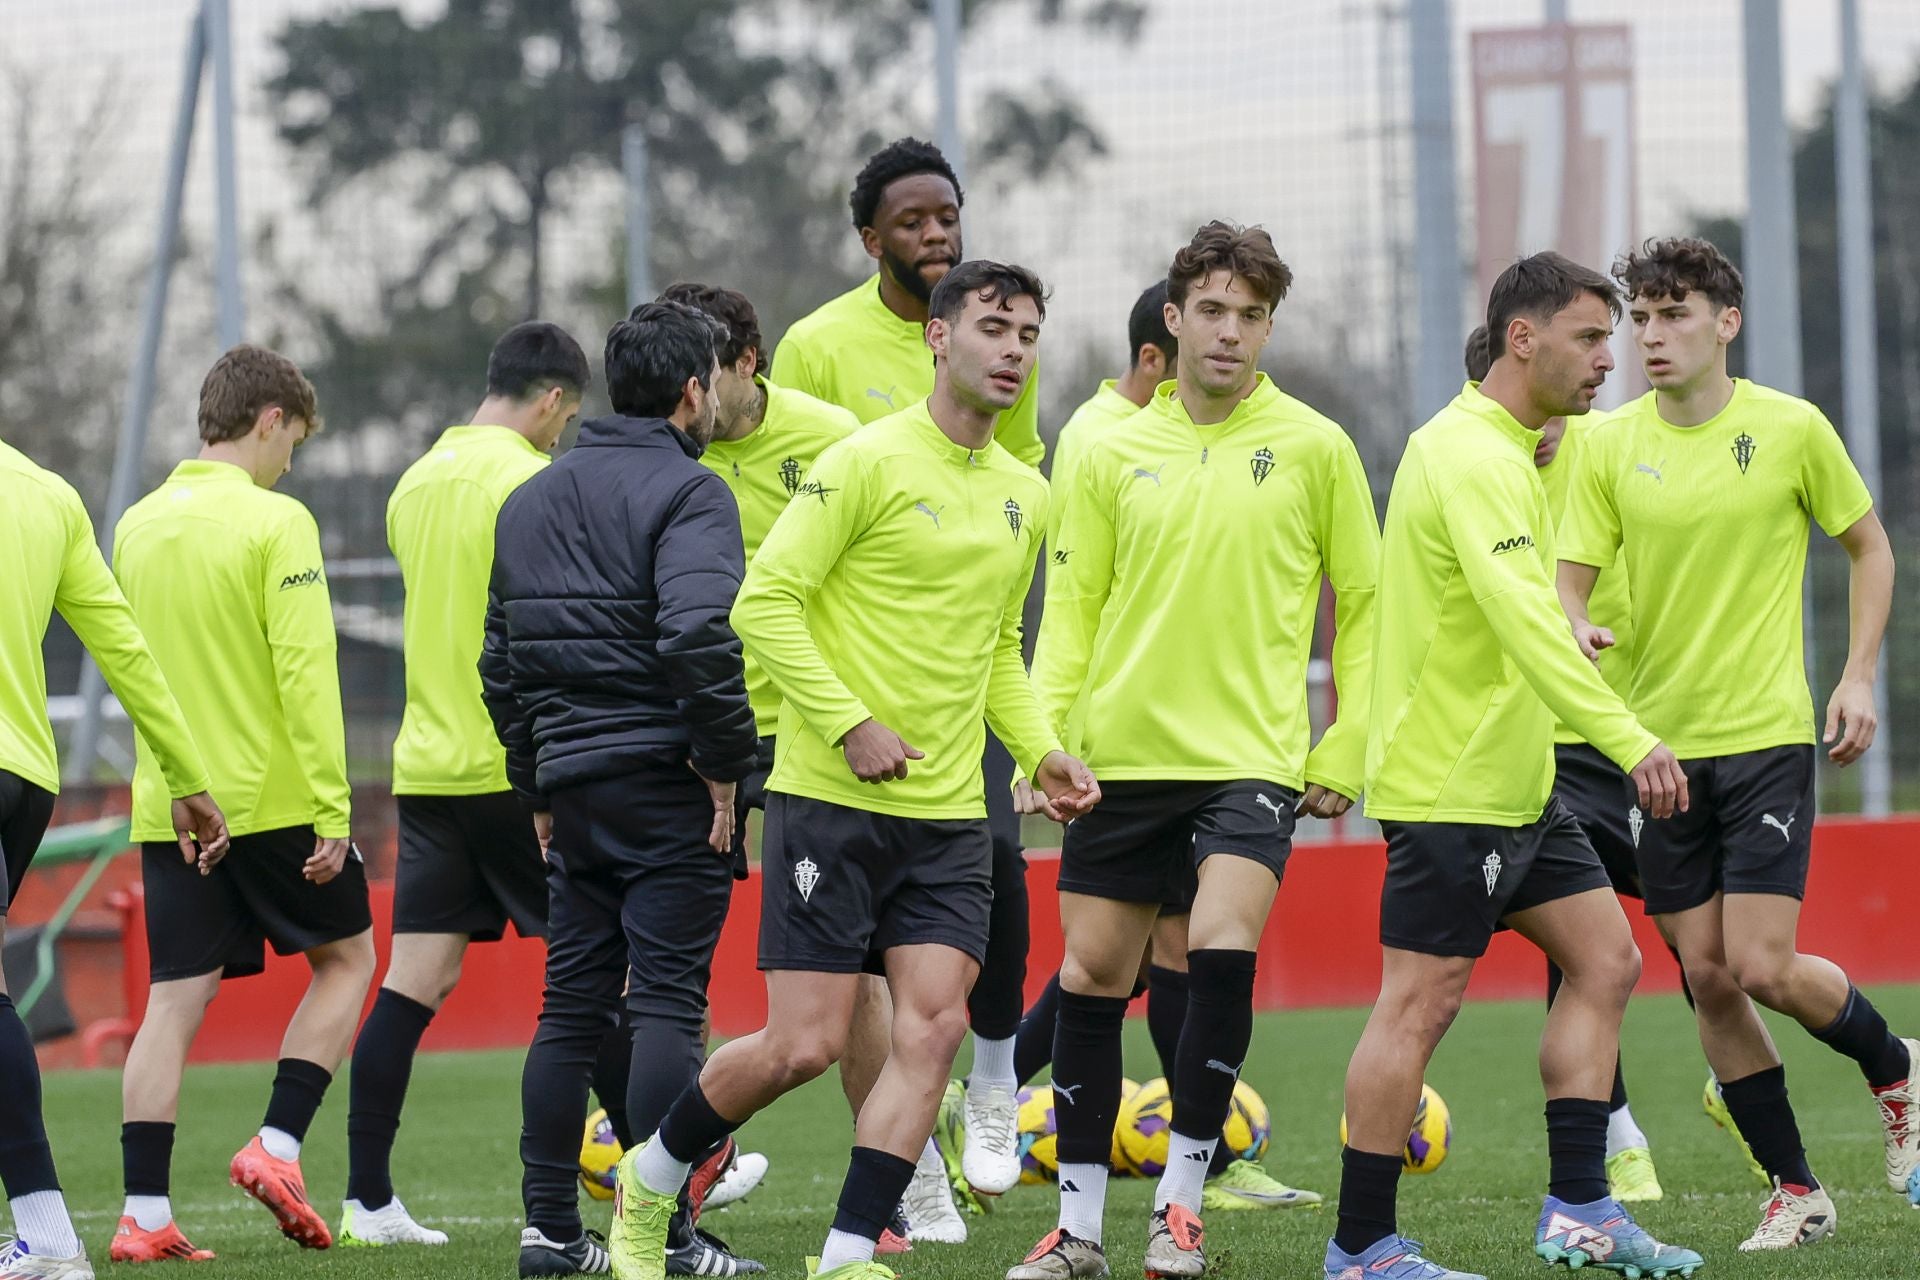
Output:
x=1027 y=799
x=876 y=753
x=1322 y=802
x=720 y=836
x=1067 y=789
x=1592 y=639
x=1851 y=708
x=543 y=832
x=329 y=856
x=201 y=829
x=1660 y=782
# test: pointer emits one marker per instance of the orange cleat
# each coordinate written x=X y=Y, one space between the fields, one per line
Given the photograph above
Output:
x=163 y=1244
x=278 y=1185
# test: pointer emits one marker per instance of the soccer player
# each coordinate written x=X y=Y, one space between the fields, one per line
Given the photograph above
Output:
x=470 y=858
x=1706 y=484
x=1592 y=787
x=616 y=687
x=1180 y=609
x=1472 y=662
x=226 y=578
x=47 y=542
x=885 y=608
x=866 y=351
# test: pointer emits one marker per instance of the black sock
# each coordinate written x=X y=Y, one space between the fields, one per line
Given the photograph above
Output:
x=1760 y=1110
x=610 y=1072
x=876 y=1180
x=1223 y=1155
x=1577 y=1150
x=1166 y=1015
x=1086 y=1076
x=1619 y=1098
x=993 y=1006
x=1213 y=1043
x=298 y=1087
x=669 y=1064
x=26 y=1161
x=146 y=1157
x=1033 y=1043
x=377 y=1090
x=691 y=1126
x=1369 y=1187
x=1861 y=1034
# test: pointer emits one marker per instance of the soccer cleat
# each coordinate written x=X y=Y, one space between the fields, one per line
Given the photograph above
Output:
x=390 y=1224
x=851 y=1271
x=702 y=1178
x=278 y=1185
x=1175 y=1241
x=898 y=1237
x=1792 y=1216
x=1913 y=1188
x=1604 y=1235
x=642 y=1217
x=1389 y=1258
x=1716 y=1108
x=162 y=1244
x=737 y=1183
x=950 y=1139
x=1900 y=1121
x=16 y=1263
x=991 y=1161
x=1631 y=1177
x=930 y=1213
x=1244 y=1184
x=700 y=1253
x=540 y=1256
x=1061 y=1255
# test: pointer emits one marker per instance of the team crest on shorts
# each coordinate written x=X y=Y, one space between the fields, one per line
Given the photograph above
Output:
x=1636 y=822
x=1491 y=869
x=806 y=874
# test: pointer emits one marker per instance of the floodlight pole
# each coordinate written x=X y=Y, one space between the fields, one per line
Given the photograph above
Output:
x=946 y=75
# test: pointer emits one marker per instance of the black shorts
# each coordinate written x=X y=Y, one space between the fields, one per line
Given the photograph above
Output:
x=1450 y=885
x=1601 y=798
x=255 y=895
x=750 y=794
x=469 y=864
x=840 y=886
x=1144 y=840
x=1749 y=829
x=25 y=810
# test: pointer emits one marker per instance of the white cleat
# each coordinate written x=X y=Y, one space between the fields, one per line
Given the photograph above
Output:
x=17 y=1264
x=931 y=1217
x=1790 y=1220
x=1900 y=1121
x=389 y=1224
x=991 y=1161
x=749 y=1167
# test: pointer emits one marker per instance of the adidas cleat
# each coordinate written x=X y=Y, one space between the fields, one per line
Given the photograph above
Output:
x=1604 y=1235
x=17 y=1262
x=1716 y=1108
x=931 y=1216
x=700 y=1253
x=162 y=1244
x=1390 y=1258
x=1631 y=1178
x=390 y=1224
x=1244 y=1184
x=950 y=1139
x=749 y=1170
x=277 y=1184
x=1792 y=1216
x=540 y=1256
x=642 y=1219
x=1061 y=1255
x=1900 y=1121
x=1175 y=1244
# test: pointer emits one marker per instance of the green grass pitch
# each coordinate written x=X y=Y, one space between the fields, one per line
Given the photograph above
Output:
x=456 y=1165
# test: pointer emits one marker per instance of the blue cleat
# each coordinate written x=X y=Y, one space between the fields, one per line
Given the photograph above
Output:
x=1390 y=1258
x=1605 y=1236
x=1913 y=1188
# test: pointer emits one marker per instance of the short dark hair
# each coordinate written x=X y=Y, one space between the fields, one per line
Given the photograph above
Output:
x=731 y=308
x=1479 y=358
x=1147 y=323
x=1541 y=286
x=1247 y=252
x=651 y=354
x=1677 y=266
x=534 y=357
x=246 y=382
x=901 y=158
x=990 y=281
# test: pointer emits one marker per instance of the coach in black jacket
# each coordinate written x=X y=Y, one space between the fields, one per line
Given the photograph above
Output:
x=616 y=686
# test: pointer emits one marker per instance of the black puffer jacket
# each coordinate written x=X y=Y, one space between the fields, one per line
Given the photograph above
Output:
x=607 y=643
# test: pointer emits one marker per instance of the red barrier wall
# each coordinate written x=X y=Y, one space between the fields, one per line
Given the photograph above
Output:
x=1321 y=947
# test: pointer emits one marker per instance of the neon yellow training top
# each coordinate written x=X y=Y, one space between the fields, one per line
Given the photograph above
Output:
x=227 y=581
x=1182 y=594
x=1713 y=521
x=440 y=527
x=47 y=544
x=1103 y=409
x=1471 y=636
x=1609 y=606
x=857 y=354
x=891 y=587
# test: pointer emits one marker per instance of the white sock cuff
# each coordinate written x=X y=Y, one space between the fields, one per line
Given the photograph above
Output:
x=40 y=1218
x=658 y=1170
x=280 y=1144
x=993 y=1063
x=1083 y=1199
